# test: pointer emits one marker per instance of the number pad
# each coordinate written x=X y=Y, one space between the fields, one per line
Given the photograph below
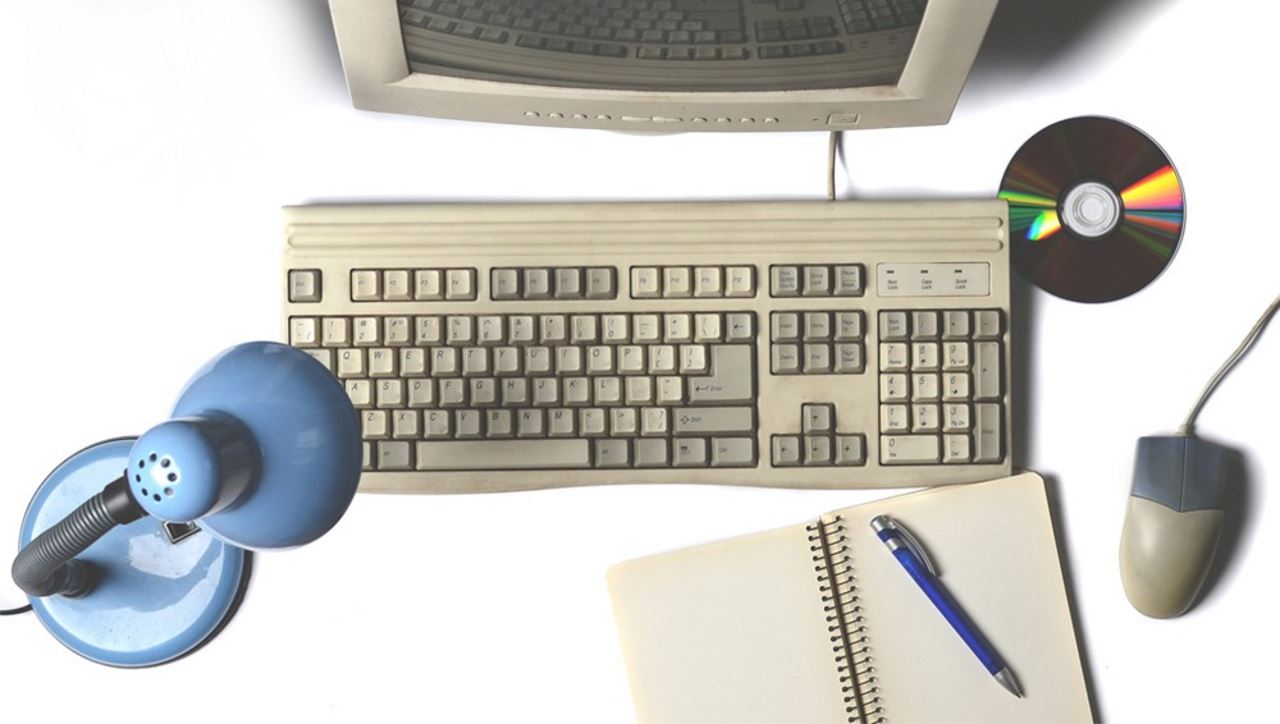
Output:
x=942 y=387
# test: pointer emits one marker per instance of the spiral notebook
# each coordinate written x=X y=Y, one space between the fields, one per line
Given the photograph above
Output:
x=819 y=623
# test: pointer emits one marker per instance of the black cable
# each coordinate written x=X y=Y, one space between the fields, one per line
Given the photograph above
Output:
x=15 y=611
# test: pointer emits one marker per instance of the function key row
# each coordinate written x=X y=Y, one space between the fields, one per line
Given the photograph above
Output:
x=705 y=282
x=408 y=285
x=811 y=280
x=562 y=283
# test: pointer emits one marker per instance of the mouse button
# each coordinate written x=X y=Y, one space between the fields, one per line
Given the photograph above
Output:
x=1165 y=556
x=1206 y=470
x=1158 y=470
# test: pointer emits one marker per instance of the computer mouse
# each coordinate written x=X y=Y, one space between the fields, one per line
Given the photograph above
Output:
x=1173 y=522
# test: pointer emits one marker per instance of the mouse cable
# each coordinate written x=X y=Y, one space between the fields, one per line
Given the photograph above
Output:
x=833 y=151
x=1188 y=427
x=15 y=611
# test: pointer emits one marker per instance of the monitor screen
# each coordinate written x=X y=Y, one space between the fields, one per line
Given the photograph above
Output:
x=663 y=65
x=664 y=45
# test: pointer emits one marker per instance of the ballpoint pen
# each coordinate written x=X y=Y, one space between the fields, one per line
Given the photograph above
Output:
x=912 y=556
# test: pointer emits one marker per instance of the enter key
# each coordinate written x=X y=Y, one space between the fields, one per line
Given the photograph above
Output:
x=732 y=378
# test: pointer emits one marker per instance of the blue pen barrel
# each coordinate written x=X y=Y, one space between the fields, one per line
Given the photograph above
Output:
x=932 y=588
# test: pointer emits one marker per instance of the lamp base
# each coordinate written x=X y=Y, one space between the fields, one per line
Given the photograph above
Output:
x=159 y=594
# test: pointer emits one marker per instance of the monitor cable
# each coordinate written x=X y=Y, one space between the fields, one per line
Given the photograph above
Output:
x=835 y=148
x=1189 y=425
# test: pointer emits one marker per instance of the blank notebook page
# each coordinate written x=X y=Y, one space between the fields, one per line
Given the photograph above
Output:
x=736 y=631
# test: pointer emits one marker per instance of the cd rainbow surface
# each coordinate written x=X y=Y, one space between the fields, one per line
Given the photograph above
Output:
x=1095 y=209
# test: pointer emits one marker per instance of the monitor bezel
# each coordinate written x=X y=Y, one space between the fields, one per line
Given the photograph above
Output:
x=379 y=79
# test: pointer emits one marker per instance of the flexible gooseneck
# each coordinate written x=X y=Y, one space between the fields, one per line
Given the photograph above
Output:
x=48 y=567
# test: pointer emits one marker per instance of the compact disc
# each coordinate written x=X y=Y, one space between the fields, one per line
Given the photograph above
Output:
x=1095 y=209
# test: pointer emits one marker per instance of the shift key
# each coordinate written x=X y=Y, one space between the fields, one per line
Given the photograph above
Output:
x=702 y=421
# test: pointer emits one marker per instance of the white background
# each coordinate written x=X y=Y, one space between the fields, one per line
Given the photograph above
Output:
x=147 y=145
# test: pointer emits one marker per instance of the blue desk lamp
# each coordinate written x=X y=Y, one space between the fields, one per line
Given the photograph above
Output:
x=263 y=452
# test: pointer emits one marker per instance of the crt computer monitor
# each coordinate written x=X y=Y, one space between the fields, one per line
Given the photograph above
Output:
x=668 y=65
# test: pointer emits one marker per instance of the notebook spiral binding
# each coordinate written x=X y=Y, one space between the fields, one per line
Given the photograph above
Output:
x=833 y=563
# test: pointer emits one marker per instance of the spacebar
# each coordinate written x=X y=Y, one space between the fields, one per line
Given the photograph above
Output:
x=503 y=454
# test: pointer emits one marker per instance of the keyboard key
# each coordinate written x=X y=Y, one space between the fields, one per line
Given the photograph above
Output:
x=503 y=454
x=893 y=325
x=304 y=286
x=784 y=281
x=677 y=282
x=693 y=359
x=708 y=281
x=894 y=357
x=786 y=359
x=537 y=283
x=988 y=436
x=955 y=449
x=955 y=356
x=848 y=280
x=924 y=325
x=360 y=392
x=373 y=425
x=986 y=369
x=351 y=363
x=366 y=286
x=428 y=285
x=646 y=282
x=568 y=283
x=909 y=449
x=613 y=453
x=786 y=451
x=848 y=359
x=817 y=326
x=817 y=419
x=895 y=418
x=690 y=453
x=817 y=281
x=850 y=450
x=395 y=456
x=848 y=326
x=785 y=327
x=460 y=284
x=601 y=283
x=733 y=452
x=337 y=332
x=505 y=284
x=732 y=378
x=428 y=331
x=987 y=323
x=704 y=421
x=405 y=425
x=396 y=286
x=955 y=418
x=304 y=332
x=817 y=450
x=955 y=324
x=817 y=358
x=652 y=453
x=707 y=328
x=740 y=281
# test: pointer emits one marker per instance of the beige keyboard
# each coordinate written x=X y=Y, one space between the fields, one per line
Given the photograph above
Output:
x=512 y=347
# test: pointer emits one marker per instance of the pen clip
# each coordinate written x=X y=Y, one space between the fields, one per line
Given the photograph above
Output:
x=909 y=540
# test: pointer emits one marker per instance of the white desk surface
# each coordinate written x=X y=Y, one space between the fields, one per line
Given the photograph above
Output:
x=147 y=145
